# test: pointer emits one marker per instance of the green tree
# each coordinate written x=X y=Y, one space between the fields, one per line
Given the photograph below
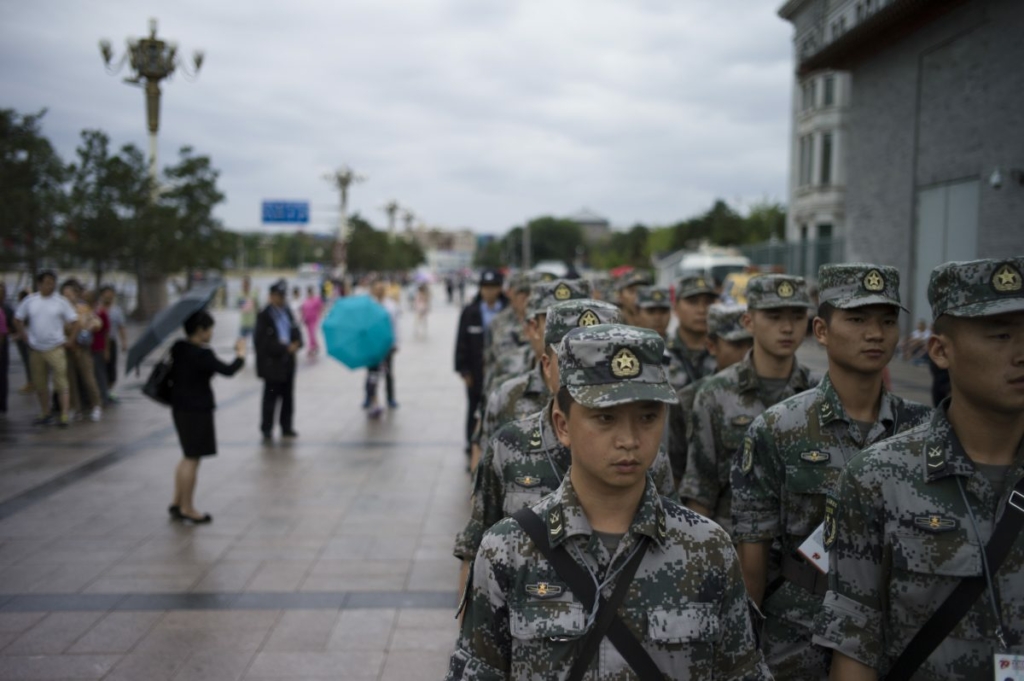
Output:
x=554 y=239
x=765 y=220
x=33 y=197
x=372 y=250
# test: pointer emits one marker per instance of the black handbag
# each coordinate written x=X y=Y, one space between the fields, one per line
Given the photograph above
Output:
x=160 y=382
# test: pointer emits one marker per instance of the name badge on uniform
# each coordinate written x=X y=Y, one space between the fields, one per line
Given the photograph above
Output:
x=1008 y=667
x=813 y=549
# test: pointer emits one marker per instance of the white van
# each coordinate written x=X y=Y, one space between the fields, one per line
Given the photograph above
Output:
x=713 y=266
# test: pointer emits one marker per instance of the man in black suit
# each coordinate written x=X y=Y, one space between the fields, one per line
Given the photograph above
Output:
x=277 y=338
x=472 y=340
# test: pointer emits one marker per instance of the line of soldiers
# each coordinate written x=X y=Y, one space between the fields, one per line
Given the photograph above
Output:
x=704 y=506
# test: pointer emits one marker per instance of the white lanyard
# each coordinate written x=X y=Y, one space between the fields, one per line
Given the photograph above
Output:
x=984 y=564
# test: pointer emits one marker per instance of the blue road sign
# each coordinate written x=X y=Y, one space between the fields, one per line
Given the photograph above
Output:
x=286 y=211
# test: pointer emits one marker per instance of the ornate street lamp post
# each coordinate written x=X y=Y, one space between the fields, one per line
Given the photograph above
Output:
x=151 y=60
x=342 y=179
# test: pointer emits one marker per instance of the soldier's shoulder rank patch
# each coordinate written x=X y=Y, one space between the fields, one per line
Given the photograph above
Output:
x=935 y=524
x=829 y=532
x=742 y=420
x=555 y=525
x=528 y=481
x=544 y=590
x=815 y=456
x=747 y=462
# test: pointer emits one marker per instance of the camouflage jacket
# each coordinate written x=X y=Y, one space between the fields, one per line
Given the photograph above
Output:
x=506 y=333
x=679 y=421
x=522 y=622
x=902 y=540
x=513 y=362
x=521 y=463
x=790 y=459
x=515 y=398
x=722 y=411
x=687 y=366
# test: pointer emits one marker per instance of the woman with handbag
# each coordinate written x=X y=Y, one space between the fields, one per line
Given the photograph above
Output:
x=192 y=405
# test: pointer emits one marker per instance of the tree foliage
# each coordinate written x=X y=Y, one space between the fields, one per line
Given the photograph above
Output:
x=373 y=250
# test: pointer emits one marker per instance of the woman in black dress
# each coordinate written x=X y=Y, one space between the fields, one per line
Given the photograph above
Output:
x=192 y=405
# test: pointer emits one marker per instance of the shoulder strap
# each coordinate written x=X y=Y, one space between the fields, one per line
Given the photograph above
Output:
x=582 y=586
x=956 y=605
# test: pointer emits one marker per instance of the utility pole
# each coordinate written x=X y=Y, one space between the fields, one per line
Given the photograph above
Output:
x=391 y=208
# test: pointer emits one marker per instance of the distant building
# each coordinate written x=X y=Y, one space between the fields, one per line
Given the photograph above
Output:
x=935 y=109
x=445 y=250
x=596 y=229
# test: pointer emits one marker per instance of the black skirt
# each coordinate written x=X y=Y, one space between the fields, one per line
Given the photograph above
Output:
x=196 y=433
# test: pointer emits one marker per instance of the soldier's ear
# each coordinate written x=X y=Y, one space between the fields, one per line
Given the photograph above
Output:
x=561 y=423
x=939 y=350
x=820 y=330
x=748 y=321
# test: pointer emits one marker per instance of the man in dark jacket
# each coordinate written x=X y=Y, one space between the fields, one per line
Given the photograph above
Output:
x=472 y=340
x=277 y=338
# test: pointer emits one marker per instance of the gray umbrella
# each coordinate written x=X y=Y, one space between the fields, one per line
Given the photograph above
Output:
x=169 y=320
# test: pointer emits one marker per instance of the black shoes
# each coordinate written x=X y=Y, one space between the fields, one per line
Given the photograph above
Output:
x=177 y=515
x=289 y=433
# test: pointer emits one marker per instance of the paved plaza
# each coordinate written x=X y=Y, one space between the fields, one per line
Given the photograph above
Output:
x=329 y=556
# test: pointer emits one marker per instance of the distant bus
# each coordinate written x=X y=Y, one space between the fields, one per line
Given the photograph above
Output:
x=713 y=266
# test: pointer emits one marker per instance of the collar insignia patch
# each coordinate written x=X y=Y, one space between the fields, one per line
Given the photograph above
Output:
x=874 y=281
x=544 y=590
x=588 y=318
x=935 y=523
x=936 y=457
x=816 y=456
x=625 y=364
x=555 y=521
x=1006 y=279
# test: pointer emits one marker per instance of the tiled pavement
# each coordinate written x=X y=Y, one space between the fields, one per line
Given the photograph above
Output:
x=329 y=557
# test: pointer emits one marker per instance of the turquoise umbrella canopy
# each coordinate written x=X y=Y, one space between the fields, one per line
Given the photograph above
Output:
x=358 y=332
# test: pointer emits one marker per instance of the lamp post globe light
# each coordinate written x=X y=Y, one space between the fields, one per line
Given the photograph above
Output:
x=151 y=61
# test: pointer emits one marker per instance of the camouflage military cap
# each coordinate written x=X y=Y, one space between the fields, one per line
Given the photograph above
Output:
x=519 y=282
x=546 y=294
x=610 y=364
x=633 y=279
x=694 y=285
x=772 y=291
x=653 y=297
x=572 y=314
x=977 y=288
x=726 y=322
x=858 y=284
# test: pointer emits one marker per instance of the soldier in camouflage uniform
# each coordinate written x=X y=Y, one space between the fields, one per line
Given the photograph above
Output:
x=626 y=288
x=728 y=341
x=794 y=452
x=520 y=395
x=729 y=401
x=691 y=360
x=686 y=604
x=654 y=309
x=911 y=514
x=506 y=331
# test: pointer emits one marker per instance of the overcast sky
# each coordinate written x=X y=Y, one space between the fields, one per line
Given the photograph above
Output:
x=473 y=113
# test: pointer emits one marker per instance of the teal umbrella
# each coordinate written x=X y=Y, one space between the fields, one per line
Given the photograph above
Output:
x=358 y=332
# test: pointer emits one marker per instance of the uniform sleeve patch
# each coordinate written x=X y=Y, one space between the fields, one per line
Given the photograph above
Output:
x=828 y=535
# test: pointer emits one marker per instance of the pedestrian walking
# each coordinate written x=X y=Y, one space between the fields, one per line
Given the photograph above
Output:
x=99 y=346
x=421 y=306
x=794 y=452
x=6 y=333
x=924 y=529
x=472 y=339
x=85 y=394
x=45 y=318
x=604 y=576
x=117 y=336
x=249 y=304
x=192 y=407
x=310 y=312
x=21 y=340
x=379 y=291
x=278 y=339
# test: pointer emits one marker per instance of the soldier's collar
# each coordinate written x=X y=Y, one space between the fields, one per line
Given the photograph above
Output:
x=535 y=384
x=565 y=517
x=746 y=375
x=830 y=407
x=944 y=455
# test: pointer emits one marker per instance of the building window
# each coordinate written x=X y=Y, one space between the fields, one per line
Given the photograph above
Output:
x=826 y=158
x=806 y=160
x=830 y=91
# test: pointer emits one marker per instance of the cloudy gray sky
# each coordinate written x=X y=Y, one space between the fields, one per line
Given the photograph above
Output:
x=475 y=113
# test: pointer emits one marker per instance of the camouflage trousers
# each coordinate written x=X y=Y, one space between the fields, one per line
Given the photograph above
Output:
x=789 y=653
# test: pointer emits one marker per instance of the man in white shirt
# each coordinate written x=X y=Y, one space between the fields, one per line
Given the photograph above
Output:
x=48 y=319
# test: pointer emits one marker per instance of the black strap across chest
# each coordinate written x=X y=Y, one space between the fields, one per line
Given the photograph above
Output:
x=608 y=623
